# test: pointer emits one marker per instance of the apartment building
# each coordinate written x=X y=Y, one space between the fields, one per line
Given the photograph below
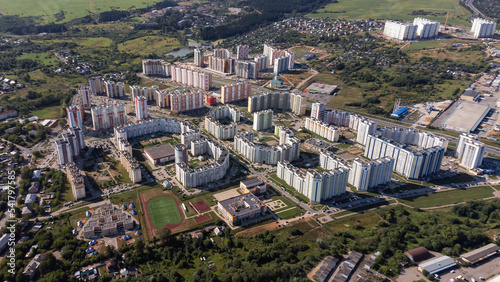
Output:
x=324 y=130
x=284 y=101
x=246 y=69
x=84 y=92
x=365 y=128
x=273 y=53
x=75 y=118
x=76 y=180
x=263 y=120
x=281 y=64
x=470 y=151
x=413 y=163
x=198 y=57
x=316 y=186
x=242 y=52
x=108 y=221
x=132 y=166
x=411 y=136
x=190 y=77
x=262 y=62
x=318 y=111
x=235 y=92
x=400 y=31
x=69 y=146
x=156 y=68
x=221 y=65
x=141 y=107
x=97 y=85
x=150 y=93
x=482 y=28
x=365 y=175
x=185 y=101
x=222 y=122
x=426 y=28
x=105 y=117
x=114 y=89
x=288 y=149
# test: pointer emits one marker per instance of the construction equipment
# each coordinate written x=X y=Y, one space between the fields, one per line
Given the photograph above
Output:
x=447 y=15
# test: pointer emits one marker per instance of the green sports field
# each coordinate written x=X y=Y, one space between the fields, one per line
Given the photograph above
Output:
x=163 y=211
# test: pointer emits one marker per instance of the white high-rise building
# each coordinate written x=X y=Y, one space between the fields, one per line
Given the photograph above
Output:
x=426 y=28
x=141 y=107
x=108 y=116
x=331 y=133
x=114 y=89
x=262 y=120
x=483 y=28
x=462 y=139
x=400 y=31
x=317 y=186
x=365 y=128
x=97 y=85
x=155 y=68
x=281 y=64
x=318 y=111
x=64 y=151
x=473 y=154
x=366 y=175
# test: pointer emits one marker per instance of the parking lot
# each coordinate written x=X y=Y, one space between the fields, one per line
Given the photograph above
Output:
x=485 y=269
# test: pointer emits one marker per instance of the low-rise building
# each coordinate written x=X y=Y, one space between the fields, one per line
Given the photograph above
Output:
x=108 y=221
x=31 y=269
x=237 y=210
x=160 y=153
x=254 y=185
x=437 y=265
x=418 y=254
x=480 y=254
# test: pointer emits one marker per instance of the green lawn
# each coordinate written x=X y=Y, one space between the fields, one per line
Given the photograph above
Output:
x=45 y=58
x=397 y=10
x=149 y=44
x=72 y=8
x=449 y=197
x=289 y=213
x=48 y=113
x=163 y=211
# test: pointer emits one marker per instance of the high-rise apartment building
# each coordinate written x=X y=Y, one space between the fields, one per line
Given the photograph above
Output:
x=223 y=53
x=262 y=62
x=262 y=120
x=482 y=28
x=114 y=89
x=412 y=163
x=285 y=101
x=97 y=85
x=64 y=151
x=426 y=28
x=317 y=186
x=84 y=92
x=470 y=151
x=400 y=31
x=150 y=93
x=281 y=64
x=275 y=53
x=318 y=111
x=193 y=78
x=365 y=175
x=220 y=130
x=235 y=92
x=246 y=69
x=156 y=68
x=76 y=180
x=324 y=130
x=141 y=107
x=185 y=101
x=242 y=52
x=181 y=154
x=108 y=116
x=198 y=57
x=74 y=117
x=365 y=128
x=222 y=65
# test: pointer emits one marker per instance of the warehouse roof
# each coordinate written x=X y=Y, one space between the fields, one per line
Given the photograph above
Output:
x=437 y=265
x=160 y=151
x=481 y=253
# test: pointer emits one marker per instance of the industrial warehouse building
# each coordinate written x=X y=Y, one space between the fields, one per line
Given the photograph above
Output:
x=437 y=265
x=466 y=117
x=480 y=254
x=470 y=95
x=160 y=153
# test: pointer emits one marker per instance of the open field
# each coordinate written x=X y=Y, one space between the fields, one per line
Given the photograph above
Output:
x=48 y=113
x=149 y=44
x=449 y=197
x=396 y=10
x=45 y=58
x=72 y=8
x=162 y=211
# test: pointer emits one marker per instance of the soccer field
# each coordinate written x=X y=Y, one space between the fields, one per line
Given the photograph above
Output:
x=163 y=211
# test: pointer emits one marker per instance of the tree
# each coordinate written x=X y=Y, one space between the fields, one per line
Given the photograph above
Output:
x=37 y=154
x=163 y=234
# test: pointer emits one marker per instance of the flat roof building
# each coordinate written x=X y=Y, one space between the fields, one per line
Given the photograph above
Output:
x=321 y=88
x=481 y=253
x=466 y=117
x=241 y=208
x=437 y=265
x=470 y=95
x=160 y=153
x=326 y=268
x=254 y=185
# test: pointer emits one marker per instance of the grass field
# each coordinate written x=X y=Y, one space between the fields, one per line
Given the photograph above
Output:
x=149 y=44
x=48 y=113
x=45 y=58
x=449 y=197
x=395 y=9
x=72 y=8
x=163 y=211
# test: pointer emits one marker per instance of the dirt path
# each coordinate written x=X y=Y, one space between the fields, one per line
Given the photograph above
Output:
x=314 y=72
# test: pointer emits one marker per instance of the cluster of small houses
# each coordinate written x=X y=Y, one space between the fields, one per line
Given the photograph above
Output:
x=326 y=270
x=331 y=27
x=7 y=84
